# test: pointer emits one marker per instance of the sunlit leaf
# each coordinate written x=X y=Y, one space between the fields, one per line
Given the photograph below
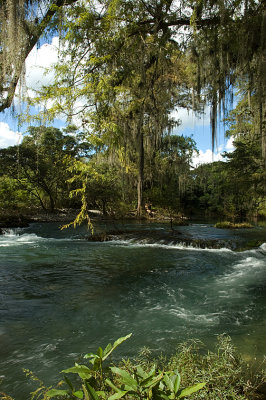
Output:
x=116 y=343
x=126 y=378
x=82 y=370
x=79 y=394
x=118 y=395
x=190 y=390
x=176 y=379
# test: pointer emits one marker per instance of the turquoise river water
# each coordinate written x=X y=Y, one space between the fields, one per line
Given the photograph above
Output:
x=62 y=296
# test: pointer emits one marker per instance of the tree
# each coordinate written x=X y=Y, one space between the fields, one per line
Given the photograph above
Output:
x=170 y=174
x=247 y=161
x=12 y=196
x=22 y=24
x=38 y=164
x=116 y=59
x=128 y=85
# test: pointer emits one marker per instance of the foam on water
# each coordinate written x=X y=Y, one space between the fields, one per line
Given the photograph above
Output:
x=177 y=246
x=13 y=238
x=16 y=237
x=263 y=247
x=195 y=318
x=249 y=270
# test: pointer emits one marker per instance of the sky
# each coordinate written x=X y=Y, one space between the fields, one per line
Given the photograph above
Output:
x=42 y=58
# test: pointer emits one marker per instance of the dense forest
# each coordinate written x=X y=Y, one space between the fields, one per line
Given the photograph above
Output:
x=48 y=171
x=123 y=67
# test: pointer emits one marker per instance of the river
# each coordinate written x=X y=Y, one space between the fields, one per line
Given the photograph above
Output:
x=62 y=296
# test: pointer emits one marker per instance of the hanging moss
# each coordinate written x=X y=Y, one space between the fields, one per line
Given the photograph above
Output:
x=20 y=30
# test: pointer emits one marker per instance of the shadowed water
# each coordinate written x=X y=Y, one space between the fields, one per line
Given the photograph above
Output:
x=62 y=296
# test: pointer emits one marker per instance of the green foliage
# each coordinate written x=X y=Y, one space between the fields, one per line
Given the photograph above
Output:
x=227 y=375
x=235 y=189
x=12 y=196
x=97 y=359
x=230 y=225
x=35 y=170
x=113 y=383
x=222 y=375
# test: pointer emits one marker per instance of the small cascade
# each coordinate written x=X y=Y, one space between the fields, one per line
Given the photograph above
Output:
x=14 y=237
x=163 y=238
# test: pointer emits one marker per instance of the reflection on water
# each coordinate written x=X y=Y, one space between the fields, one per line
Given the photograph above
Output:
x=61 y=296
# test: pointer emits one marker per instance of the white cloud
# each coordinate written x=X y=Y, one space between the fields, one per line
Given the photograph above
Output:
x=38 y=61
x=39 y=72
x=189 y=119
x=8 y=137
x=205 y=157
x=208 y=156
x=229 y=147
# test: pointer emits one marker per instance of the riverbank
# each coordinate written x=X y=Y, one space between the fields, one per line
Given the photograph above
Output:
x=172 y=232
x=22 y=218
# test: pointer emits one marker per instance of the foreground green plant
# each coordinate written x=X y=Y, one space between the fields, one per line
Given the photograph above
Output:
x=222 y=374
x=113 y=383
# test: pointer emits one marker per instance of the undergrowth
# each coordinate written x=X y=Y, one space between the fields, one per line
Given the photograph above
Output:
x=190 y=371
x=231 y=225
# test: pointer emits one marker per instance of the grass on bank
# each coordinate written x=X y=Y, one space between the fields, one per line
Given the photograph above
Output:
x=190 y=372
x=231 y=225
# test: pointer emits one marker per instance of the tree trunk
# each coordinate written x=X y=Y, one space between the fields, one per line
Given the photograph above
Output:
x=40 y=199
x=104 y=207
x=140 y=151
x=262 y=89
x=52 y=203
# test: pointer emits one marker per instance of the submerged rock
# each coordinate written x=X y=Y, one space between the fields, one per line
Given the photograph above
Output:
x=166 y=237
x=13 y=221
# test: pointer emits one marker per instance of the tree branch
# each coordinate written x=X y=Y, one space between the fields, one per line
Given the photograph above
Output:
x=33 y=39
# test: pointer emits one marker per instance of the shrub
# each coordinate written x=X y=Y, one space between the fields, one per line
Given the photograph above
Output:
x=231 y=225
x=205 y=375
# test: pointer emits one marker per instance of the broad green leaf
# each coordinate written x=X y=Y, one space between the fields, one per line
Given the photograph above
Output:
x=109 y=383
x=86 y=394
x=126 y=378
x=96 y=364
x=190 y=390
x=82 y=370
x=176 y=379
x=118 y=395
x=107 y=349
x=121 y=340
x=141 y=373
x=102 y=394
x=91 y=391
x=69 y=382
x=152 y=381
x=100 y=352
x=78 y=394
x=90 y=355
x=169 y=383
x=152 y=370
x=163 y=396
x=116 y=343
x=56 y=392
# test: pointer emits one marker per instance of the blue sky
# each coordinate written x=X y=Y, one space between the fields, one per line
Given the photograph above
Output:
x=42 y=58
